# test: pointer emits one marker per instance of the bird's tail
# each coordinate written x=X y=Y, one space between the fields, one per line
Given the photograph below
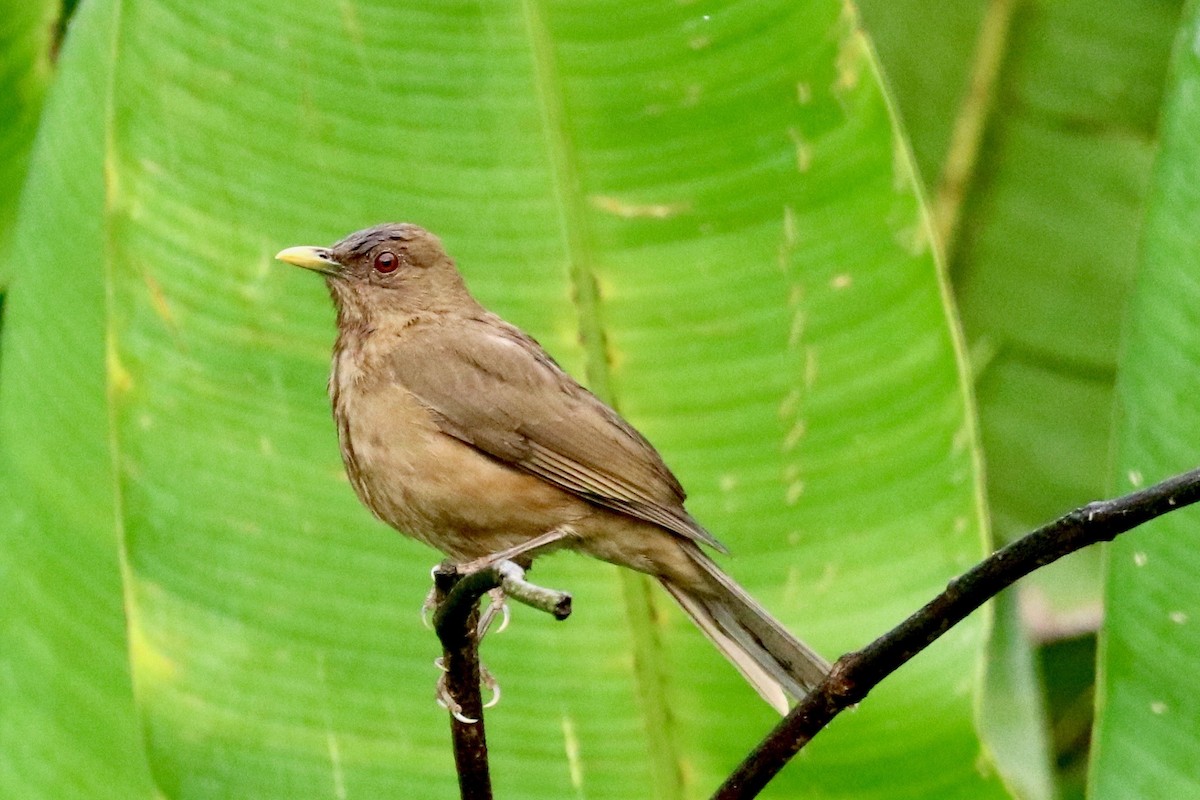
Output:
x=773 y=661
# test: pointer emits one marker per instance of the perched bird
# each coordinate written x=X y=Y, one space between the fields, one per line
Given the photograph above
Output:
x=458 y=429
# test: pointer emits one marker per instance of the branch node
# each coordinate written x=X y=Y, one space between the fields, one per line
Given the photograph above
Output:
x=841 y=685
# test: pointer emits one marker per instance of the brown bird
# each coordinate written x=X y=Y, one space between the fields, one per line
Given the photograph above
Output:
x=458 y=429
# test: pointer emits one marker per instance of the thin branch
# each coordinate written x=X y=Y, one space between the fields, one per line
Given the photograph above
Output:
x=555 y=603
x=855 y=674
x=457 y=624
x=456 y=621
x=464 y=589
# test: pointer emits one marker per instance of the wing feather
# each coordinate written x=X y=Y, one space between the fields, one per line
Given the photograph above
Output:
x=493 y=387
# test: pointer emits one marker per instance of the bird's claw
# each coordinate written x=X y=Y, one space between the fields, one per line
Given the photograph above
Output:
x=496 y=605
x=450 y=704
x=447 y=701
x=488 y=680
x=429 y=607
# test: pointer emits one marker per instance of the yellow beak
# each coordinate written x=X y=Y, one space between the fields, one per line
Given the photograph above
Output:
x=318 y=259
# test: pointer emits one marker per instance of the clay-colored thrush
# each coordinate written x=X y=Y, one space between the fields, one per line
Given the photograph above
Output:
x=458 y=429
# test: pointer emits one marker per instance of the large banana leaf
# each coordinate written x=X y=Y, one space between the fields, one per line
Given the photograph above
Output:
x=68 y=727
x=1046 y=255
x=1069 y=94
x=1147 y=741
x=707 y=210
x=942 y=61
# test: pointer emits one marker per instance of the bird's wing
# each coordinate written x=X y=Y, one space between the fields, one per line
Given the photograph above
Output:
x=492 y=386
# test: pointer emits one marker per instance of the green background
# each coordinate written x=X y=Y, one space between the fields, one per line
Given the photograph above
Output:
x=735 y=221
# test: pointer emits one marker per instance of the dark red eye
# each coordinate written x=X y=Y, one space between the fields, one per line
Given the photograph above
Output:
x=386 y=262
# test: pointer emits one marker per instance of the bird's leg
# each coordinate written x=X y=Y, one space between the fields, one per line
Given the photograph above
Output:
x=498 y=604
x=514 y=585
x=524 y=548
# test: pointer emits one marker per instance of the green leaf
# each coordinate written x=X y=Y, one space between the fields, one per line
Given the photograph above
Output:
x=1013 y=712
x=943 y=63
x=1046 y=252
x=1147 y=741
x=928 y=55
x=26 y=36
x=68 y=728
x=705 y=211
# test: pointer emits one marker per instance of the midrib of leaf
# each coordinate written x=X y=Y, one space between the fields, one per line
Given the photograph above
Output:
x=970 y=125
x=115 y=376
x=636 y=589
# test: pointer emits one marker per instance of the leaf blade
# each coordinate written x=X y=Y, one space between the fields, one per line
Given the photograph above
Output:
x=1148 y=718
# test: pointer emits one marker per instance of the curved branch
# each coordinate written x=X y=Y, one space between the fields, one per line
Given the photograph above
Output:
x=855 y=674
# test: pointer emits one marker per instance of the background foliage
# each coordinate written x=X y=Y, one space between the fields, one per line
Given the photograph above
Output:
x=710 y=211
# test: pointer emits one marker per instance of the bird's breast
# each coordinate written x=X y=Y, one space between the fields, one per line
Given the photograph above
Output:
x=426 y=483
x=383 y=430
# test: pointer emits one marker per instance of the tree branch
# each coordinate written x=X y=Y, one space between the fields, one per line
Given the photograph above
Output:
x=456 y=622
x=855 y=674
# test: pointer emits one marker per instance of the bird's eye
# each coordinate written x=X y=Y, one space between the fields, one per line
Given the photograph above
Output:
x=386 y=262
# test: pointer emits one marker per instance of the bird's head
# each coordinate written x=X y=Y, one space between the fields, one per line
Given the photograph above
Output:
x=390 y=268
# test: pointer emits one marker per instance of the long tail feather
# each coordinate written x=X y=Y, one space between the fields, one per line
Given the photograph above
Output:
x=773 y=661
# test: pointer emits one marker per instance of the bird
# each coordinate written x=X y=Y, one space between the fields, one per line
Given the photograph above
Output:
x=458 y=429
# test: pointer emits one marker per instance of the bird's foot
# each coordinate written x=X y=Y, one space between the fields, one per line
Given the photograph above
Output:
x=429 y=607
x=497 y=606
x=487 y=679
x=447 y=701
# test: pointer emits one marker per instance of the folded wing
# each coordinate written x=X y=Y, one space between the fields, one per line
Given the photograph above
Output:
x=493 y=387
